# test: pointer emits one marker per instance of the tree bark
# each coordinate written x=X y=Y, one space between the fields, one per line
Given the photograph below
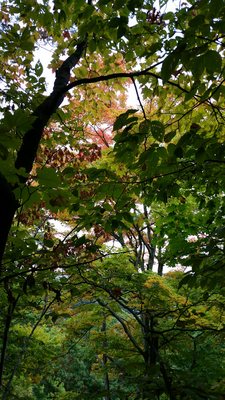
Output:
x=28 y=150
x=8 y=319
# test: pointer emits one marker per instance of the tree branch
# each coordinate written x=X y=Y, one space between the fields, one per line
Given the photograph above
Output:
x=125 y=328
x=25 y=346
x=138 y=97
x=11 y=307
x=131 y=75
x=28 y=150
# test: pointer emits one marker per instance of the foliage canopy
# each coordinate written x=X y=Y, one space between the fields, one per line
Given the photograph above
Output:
x=96 y=195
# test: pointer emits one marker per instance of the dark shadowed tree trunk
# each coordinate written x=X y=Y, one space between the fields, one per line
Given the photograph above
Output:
x=28 y=149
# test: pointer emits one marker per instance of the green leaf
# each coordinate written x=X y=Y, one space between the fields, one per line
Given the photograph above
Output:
x=118 y=4
x=169 y=65
x=197 y=21
x=169 y=136
x=75 y=206
x=215 y=7
x=157 y=130
x=27 y=45
x=179 y=152
x=48 y=243
x=79 y=241
x=145 y=126
x=3 y=152
x=38 y=68
x=92 y=45
x=151 y=156
x=114 y=22
x=122 y=119
x=213 y=61
x=48 y=177
x=197 y=68
x=121 y=31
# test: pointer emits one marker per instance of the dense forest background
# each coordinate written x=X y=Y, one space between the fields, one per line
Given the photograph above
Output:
x=112 y=216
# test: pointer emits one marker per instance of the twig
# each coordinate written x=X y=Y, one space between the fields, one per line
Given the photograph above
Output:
x=138 y=97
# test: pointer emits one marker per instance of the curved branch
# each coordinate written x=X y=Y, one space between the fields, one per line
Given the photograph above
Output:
x=28 y=150
x=125 y=328
x=117 y=75
x=138 y=97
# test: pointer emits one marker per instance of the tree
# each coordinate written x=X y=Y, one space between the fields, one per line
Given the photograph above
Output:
x=149 y=178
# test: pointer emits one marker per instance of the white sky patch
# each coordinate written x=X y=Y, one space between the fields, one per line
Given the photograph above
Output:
x=61 y=228
x=44 y=54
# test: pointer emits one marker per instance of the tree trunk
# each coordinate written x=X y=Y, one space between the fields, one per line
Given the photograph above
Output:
x=28 y=150
x=8 y=320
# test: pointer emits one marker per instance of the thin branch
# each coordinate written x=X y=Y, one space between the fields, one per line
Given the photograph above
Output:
x=23 y=349
x=125 y=328
x=138 y=97
x=103 y=78
x=33 y=269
